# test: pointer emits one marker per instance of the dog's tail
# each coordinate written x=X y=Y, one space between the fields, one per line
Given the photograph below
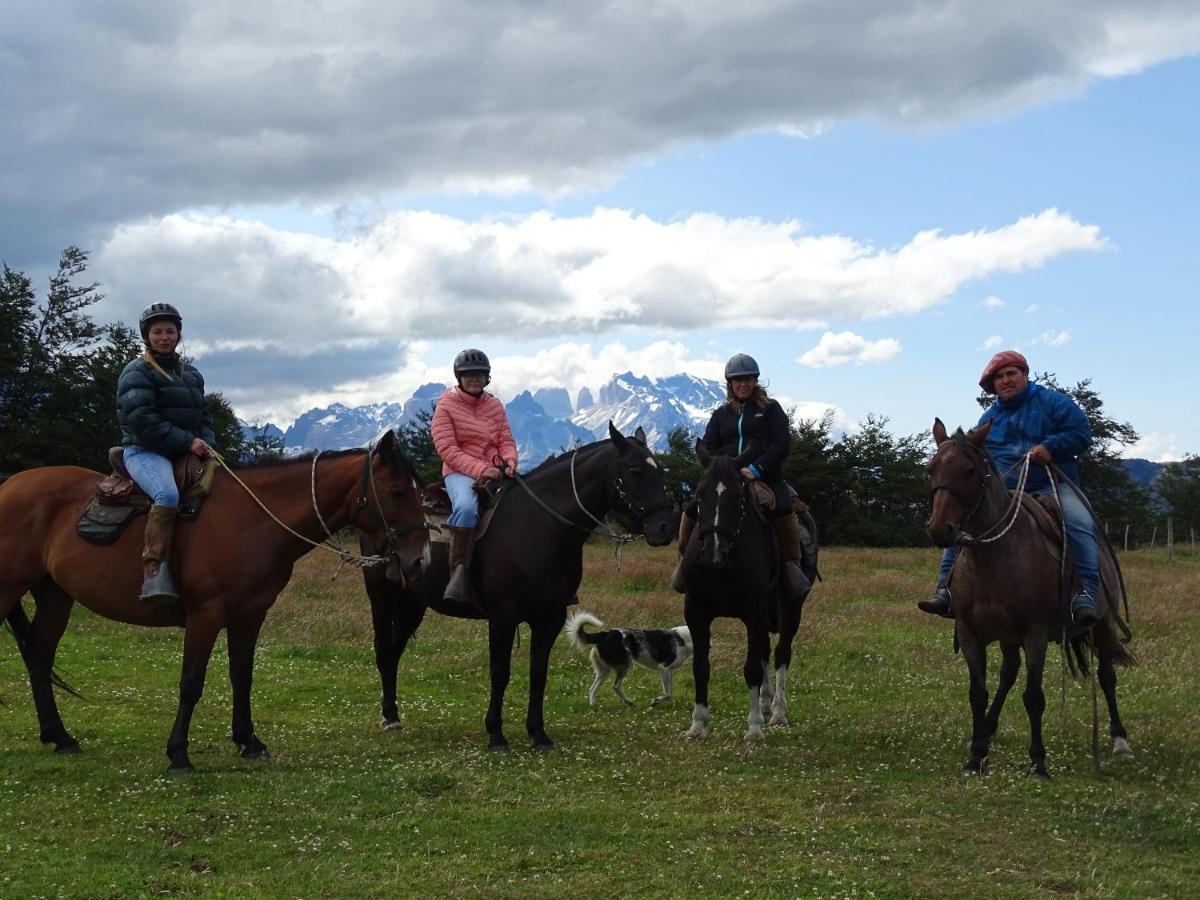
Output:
x=575 y=632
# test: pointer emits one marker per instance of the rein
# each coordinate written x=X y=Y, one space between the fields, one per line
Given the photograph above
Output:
x=330 y=544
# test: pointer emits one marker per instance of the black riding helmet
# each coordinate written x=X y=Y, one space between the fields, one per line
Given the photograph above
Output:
x=156 y=311
x=740 y=365
x=472 y=360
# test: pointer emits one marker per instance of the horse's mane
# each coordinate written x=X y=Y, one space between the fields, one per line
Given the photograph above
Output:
x=280 y=462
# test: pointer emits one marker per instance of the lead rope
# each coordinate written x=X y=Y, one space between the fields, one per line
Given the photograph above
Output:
x=1016 y=508
x=1062 y=576
x=346 y=556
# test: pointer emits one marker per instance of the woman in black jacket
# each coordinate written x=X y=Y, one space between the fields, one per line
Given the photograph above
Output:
x=163 y=415
x=751 y=421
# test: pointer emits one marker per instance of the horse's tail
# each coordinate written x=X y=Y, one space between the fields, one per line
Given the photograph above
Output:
x=1102 y=641
x=19 y=622
x=577 y=635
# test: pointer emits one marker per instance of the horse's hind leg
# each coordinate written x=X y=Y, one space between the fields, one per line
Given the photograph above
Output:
x=1106 y=673
x=1035 y=702
x=767 y=693
x=543 y=634
x=500 y=642
x=242 y=637
x=1010 y=665
x=789 y=624
x=198 y=639
x=39 y=648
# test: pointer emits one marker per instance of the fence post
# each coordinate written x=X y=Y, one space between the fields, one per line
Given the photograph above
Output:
x=1170 y=539
x=1126 y=538
x=1153 y=535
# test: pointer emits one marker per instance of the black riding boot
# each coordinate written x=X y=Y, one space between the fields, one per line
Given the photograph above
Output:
x=157 y=584
x=686 y=526
x=459 y=590
x=794 y=582
x=939 y=604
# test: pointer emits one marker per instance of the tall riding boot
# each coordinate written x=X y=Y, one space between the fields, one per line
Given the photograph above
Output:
x=157 y=584
x=686 y=526
x=459 y=589
x=794 y=582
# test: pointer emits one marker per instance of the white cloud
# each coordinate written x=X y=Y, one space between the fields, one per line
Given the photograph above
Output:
x=992 y=342
x=226 y=103
x=992 y=304
x=1052 y=338
x=848 y=347
x=1031 y=308
x=1154 y=446
x=420 y=275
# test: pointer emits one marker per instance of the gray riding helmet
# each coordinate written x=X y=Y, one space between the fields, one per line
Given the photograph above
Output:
x=156 y=311
x=471 y=360
x=740 y=365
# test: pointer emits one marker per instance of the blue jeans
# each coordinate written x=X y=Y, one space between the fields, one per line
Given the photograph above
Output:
x=154 y=474
x=464 y=504
x=1081 y=536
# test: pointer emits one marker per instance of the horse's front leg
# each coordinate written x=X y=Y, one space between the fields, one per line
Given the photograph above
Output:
x=394 y=619
x=199 y=636
x=1035 y=701
x=753 y=671
x=39 y=645
x=975 y=655
x=700 y=627
x=789 y=624
x=544 y=633
x=242 y=637
x=767 y=692
x=500 y=642
x=1010 y=665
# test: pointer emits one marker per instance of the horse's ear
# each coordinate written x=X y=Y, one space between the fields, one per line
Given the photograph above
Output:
x=939 y=432
x=702 y=452
x=640 y=436
x=387 y=443
x=979 y=435
x=619 y=440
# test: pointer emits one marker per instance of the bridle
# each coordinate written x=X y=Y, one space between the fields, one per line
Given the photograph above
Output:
x=729 y=532
x=972 y=505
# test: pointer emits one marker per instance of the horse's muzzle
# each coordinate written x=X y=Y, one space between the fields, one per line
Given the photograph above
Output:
x=943 y=535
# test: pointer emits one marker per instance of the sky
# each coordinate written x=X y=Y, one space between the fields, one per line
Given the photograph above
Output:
x=869 y=197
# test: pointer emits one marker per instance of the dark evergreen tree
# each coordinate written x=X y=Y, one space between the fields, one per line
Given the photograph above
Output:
x=416 y=439
x=681 y=470
x=227 y=429
x=1179 y=487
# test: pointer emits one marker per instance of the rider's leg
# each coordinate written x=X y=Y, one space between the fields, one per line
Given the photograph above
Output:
x=1085 y=554
x=155 y=475
x=939 y=604
x=687 y=524
x=464 y=516
x=787 y=530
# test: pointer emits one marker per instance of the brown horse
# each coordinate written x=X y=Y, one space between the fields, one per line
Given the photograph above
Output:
x=1008 y=587
x=230 y=563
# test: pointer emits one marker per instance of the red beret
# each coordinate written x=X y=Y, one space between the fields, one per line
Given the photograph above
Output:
x=1001 y=360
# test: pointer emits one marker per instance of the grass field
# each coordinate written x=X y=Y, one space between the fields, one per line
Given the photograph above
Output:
x=859 y=797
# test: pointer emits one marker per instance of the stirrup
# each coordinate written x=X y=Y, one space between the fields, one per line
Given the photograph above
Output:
x=939 y=604
x=159 y=588
x=1083 y=610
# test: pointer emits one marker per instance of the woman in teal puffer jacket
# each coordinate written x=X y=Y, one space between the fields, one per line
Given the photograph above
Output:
x=163 y=415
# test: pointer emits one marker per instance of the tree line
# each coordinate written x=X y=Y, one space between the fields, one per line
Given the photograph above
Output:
x=868 y=487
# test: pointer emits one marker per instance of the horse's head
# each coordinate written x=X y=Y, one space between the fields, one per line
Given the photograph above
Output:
x=721 y=505
x=389 y=512
x=638 y=493
x=958 y=476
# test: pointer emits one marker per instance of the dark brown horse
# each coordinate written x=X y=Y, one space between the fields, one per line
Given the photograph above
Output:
x=527 y=567
x=731 y=569
x=230 y=564
x=1008 y=587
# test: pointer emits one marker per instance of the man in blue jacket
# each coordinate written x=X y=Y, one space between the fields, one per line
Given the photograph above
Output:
x=1050 y=427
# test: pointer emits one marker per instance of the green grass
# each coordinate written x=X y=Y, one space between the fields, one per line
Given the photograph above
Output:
x=859 y=797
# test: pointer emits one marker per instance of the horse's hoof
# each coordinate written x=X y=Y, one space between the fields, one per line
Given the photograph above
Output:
x=75 y=748
x=781 y=720
x=973 y=769
x=1038 y=770
x=539 y=747
x=262 y=754
x=186 y=769
x=390 y=725
x=695 y=734
x=1121 y=748
x=753 y=735
x=498 y=747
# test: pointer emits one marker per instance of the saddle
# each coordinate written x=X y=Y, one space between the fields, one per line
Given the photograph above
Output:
x=435 y=503
x=118 y=499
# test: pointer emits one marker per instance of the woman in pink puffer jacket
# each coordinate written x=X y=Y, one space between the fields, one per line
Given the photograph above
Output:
x=472 y=436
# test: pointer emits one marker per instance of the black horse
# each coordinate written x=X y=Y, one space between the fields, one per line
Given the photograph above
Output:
x=527 y=566
x=731 y=569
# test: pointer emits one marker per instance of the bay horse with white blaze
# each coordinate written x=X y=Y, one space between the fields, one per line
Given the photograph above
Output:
x=731 y=569
x=527 y=567
x=1007 y=585
x=230 y=564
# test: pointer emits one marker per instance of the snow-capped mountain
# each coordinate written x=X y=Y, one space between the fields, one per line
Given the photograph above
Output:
x=543 y=422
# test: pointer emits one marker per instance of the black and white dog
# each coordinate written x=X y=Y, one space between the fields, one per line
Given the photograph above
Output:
x=617 y=649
